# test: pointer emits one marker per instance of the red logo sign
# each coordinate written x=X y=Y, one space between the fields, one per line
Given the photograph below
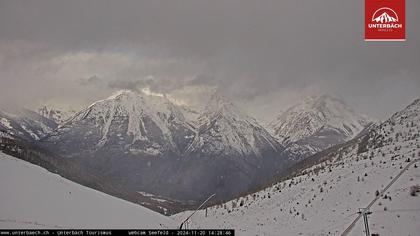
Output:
x=385 y=20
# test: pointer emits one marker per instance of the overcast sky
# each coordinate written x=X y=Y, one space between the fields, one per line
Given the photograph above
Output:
x=266 y=55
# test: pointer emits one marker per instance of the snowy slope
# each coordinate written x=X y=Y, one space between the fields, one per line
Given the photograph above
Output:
x=316 y=124
x=25 y=124
x=32 y=197
x=324 y=199
x=190 y=114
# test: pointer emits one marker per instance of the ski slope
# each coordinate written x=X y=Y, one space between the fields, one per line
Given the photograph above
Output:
x=325 y=201
x=32 y=197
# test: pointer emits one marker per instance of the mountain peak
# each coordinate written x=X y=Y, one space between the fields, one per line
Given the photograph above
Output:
x=123 y=92
x=123 y=95
x=57 y=115
x=324 y=101
x=224 y=128
x=139 y=121
x=218 y=102
x=220 y=106
x=136 y=101
x=321 y=97
x=324 y=106
x=320 y=120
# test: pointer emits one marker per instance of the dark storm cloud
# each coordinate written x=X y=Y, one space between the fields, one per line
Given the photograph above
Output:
x=249 y=49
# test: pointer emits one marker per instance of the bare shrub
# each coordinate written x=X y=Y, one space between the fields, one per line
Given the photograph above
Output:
x=414 y=190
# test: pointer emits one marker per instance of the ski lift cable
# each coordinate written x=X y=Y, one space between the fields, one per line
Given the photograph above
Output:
x=198 y=208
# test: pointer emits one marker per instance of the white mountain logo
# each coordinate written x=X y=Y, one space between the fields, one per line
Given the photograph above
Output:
x=388 y=15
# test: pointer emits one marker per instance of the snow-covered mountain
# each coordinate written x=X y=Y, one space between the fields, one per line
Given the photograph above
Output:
x=57 y=115
x=32 y=197
x=231 y=153
x=129 y=121
x=322 y=194
x=135 y=140
x=25 y=124
x=190 y=114
x=224 y=129
x=316 y=124
x=144 y=143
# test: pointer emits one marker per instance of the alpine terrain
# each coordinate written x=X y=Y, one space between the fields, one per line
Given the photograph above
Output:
x=57 y=115
x=322 y=194
x=144 y=142
x=25 y=124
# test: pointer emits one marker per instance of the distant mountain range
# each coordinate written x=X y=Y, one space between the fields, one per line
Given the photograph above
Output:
x=146 y=143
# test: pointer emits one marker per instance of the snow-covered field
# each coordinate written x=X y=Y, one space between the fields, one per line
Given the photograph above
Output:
x=32 y=197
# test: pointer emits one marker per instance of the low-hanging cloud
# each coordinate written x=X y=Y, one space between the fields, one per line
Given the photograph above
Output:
x=93 y=80
x=265 y=54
